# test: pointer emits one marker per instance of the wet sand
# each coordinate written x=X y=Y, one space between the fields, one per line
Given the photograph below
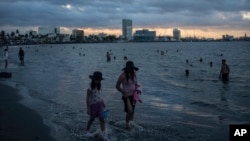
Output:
x=17 y=122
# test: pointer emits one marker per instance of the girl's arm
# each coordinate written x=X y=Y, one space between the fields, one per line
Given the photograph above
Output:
x=87 y=100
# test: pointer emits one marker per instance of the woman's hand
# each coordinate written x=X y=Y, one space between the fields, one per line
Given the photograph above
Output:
x=124 y=94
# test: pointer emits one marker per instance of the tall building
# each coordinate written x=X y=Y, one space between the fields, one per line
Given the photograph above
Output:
x=177 y=34
x=144 y=35
x=77 y=35
x=48 y=30
x=127 y=29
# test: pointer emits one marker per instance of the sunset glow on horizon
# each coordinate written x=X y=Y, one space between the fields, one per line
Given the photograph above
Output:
x=208 y=19
x=185 y=32
x=198 y=33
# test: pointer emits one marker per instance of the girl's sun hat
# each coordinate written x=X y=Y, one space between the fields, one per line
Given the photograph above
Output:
x=96 y=76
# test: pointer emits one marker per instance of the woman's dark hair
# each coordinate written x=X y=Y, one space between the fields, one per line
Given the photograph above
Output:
x=127 y=72
x=94 y=85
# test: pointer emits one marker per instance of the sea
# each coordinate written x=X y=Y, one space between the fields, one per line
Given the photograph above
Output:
x=175 y=107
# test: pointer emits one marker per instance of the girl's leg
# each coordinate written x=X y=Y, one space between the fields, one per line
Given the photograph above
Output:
x=102 y=124
x=89 y=123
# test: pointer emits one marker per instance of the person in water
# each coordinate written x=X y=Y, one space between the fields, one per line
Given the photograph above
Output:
x=224 y=72
x=128 y=81
x=21 y=56
x=6 y=55
x=94 y=101
x=108 y=56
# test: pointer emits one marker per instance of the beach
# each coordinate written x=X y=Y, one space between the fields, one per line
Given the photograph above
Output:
x=54 y=80
x=17 y=122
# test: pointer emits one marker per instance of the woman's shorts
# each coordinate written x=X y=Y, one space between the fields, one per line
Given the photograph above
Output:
x=126 y=105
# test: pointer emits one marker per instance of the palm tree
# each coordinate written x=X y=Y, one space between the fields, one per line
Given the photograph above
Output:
x=17 y=31
x=2 y=34
x=31 y=34
x=12 y=34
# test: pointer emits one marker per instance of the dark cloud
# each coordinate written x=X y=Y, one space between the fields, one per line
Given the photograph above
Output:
x=109 y=13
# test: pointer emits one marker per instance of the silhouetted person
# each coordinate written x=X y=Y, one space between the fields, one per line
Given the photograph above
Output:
x=200 y=59
x=108 y=56
x=187 y=72
x=21 y=56
x=162 y=52
x=5 y=55
x=211 y=64
x=224 y=72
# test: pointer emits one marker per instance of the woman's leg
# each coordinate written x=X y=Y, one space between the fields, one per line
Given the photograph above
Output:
x=130 y=113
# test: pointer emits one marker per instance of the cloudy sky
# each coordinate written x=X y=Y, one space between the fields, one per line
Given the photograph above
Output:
x=201 y=18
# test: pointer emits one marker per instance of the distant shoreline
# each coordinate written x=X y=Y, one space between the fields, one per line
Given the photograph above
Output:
x=2 y=45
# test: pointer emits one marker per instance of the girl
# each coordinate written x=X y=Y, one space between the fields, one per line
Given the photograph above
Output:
x=95 y=104
x=128 y=81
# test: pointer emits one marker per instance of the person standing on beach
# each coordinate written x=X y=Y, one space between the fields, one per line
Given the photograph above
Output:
x=21 y=56
x=128 y=81
x=5 y=54
x=224 y=72
x=94 y=101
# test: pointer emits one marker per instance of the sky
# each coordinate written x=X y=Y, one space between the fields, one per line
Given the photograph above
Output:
x=199 y=18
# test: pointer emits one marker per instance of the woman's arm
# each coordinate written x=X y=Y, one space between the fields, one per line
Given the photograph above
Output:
x=118 y=84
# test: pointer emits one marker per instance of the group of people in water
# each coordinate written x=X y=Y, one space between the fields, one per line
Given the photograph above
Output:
x=224 y=71
x=126 y=85
x=6 y=55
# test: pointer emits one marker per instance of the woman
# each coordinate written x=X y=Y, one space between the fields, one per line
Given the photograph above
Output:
x=128 y=80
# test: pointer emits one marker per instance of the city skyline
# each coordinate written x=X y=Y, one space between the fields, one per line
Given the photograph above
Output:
x=204 y=18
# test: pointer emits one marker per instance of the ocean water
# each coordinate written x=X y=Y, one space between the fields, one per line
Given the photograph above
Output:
x=175 y=107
